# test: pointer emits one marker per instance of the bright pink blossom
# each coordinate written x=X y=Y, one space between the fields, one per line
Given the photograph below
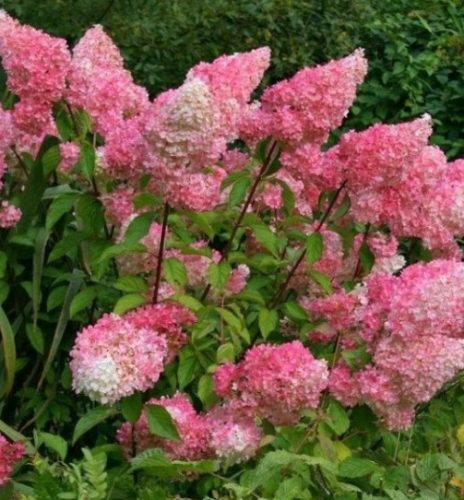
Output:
x=191 y=426
x=167 y=320
x=274 y=381
x=9 y=454
x=70 y=153
x=310 y=104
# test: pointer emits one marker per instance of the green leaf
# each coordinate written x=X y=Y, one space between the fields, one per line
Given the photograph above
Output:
x=50 y=160
x=9 y=352
x=128 y=302
x=175 y=272
x=92 y=418
x=131 y=284
x=354 y=467
x=238 y=191
x=321 y=279
x=139 y=227
x=35 y=336
x=295 y=312
x=267 y=238
x=52 y=442
x=82 y=300
x=190 y=302
x=87 y=160
x=188 y=365
x=160 y=422
x=59 y=207
x=268 y=321
x=37 y=270
x=314 y=247
x=35 y=186
x=338 y=418
x=218 y=274
x=63 y=319
x=89 y=212
x=131 y=407
x=226 y=352
x=206 y=390
x=367 y=257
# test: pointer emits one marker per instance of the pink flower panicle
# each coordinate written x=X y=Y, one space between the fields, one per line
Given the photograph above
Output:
x=10 y=453
x=99 y=83
x=36 y=65
x=274 y=381
x=309 y=105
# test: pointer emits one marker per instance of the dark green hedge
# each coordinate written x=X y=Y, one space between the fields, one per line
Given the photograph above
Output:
x=415 y=47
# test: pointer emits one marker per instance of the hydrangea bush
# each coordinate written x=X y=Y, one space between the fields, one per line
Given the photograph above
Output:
x=205 y=295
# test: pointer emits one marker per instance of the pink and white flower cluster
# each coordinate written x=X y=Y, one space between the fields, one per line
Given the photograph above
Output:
x=413 y=329
x=220 y=433
x=120 y=355
x=274 y=382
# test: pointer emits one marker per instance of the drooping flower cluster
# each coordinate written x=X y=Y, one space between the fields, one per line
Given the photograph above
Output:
x=219 y=433
x=10 y=453
x=274 y=382
x=120 y=355
x=412 y=328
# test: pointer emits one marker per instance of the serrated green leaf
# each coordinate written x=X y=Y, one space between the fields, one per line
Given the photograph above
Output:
x=92 y=418
x=354 y=467
x=131 y=284
x=321 y=279
x=59 y=207
x=128 y=302
x=267 y=321
x=314 y=247
x=225 y=352
x=218 y=274
x=175 y=272
x=239 y=191
x=267 y=238
x=131 y=407
x=338 y=418
x=9 y=352
x=53 y=442
x=161 y=423
x=87 y=160
x=294 y=311
x=82 y=300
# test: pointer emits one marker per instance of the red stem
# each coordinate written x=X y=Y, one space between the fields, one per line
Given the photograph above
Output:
x=160 y=253
x=300 y=259
x=248 y=201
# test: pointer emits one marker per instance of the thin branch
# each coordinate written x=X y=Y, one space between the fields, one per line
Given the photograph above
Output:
x=251 y=194
x=300 y=259
x=160 y=253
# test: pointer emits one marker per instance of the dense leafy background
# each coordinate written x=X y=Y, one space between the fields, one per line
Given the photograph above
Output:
x=415 y=47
